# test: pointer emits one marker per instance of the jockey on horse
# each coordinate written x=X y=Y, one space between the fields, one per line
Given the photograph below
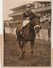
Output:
x=26 y=21
x=28 y=30
x=27 y=18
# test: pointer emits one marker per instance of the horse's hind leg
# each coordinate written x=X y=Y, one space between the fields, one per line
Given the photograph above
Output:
x=22 y=50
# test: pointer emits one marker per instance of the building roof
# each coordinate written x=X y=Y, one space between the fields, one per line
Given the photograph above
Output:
x=33 y=10
x=42 y=9
x=24 y=6
x=15 y=14
x=18 y=8
x=18 y=12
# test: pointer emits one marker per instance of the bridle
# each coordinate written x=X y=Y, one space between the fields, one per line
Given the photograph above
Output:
x=35 y=26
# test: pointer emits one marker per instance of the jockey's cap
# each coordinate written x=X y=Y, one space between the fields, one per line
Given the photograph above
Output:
x=28 y=5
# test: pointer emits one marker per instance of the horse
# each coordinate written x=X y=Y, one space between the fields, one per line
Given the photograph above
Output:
x=28 y=32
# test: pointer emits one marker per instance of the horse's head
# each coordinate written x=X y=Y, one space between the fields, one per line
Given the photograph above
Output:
x=35 y=23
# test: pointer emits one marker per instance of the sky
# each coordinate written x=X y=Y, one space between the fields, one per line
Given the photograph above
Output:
x=9 y=4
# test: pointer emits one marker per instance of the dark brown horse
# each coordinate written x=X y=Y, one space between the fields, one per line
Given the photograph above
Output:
x=28 y=32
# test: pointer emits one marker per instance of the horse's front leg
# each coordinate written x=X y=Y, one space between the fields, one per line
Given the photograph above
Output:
x=32 y=45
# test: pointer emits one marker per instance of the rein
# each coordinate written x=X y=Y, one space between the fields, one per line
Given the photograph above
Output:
x=32 y=27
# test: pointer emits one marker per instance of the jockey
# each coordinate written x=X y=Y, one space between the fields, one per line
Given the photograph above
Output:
x=29 y=10
x=28 y=17
x=26 y=21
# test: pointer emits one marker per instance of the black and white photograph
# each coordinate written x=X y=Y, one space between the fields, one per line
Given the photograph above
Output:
x=27 y=33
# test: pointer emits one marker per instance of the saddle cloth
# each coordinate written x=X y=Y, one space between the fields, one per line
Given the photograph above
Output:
x=25 y=22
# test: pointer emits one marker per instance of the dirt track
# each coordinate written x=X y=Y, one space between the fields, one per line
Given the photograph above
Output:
x=41 y=55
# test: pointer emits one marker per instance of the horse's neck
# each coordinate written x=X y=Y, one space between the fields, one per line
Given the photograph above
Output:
x=32 y=20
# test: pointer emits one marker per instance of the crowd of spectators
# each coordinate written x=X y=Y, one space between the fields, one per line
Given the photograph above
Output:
x=45 y=22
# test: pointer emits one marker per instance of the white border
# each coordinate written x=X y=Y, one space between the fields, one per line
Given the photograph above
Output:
x=52 y=25
x=1 y=17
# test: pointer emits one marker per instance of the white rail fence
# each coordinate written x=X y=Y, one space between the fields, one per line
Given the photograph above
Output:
x=43 y=33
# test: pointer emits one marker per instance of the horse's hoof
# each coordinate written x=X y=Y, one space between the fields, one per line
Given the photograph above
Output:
x=32 y=54
x=20 y=58
x=23 y=53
